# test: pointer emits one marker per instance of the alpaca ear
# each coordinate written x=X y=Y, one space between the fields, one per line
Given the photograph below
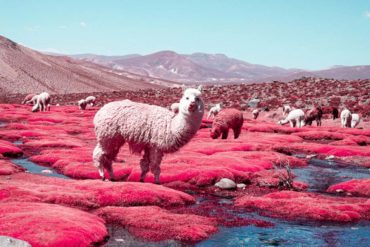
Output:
x=200 y=88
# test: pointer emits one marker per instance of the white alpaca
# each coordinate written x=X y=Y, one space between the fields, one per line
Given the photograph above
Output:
x=286 y=110
x=346 y=118
x=295 y=117
x=175 y=108
x=42 y=102
x=355 y=120
x=152 y=129
x=84 y=102
x=214 y=111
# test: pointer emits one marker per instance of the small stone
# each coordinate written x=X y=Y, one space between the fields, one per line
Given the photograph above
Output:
x=226 y=183
x=310 y=156
x=119 y=240
x=330 y=157
x=339 y=191
x=47 y=171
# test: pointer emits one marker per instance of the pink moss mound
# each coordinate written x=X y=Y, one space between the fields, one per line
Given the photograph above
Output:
x=8 y=149
x=49 y=225
x=87 y=194
x=308 y=206
x=7 y=168
x=356 y=187
x=156 y=224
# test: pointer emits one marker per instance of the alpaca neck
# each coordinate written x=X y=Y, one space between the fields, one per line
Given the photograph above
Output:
x=183 y=128
x=185 y=124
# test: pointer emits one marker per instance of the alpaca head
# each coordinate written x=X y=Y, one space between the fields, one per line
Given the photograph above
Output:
x=191 y=102
x=35 y=108
x=82 y=104
x=215 y=132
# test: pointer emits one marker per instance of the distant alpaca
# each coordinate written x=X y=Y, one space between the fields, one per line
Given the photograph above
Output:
x=355 y=120
x=28 y=99
x=226 y=119
x=286 y=110
x=84 y=102
x=42 y=102
x=346 y=118
x=175 y=108
x=255 y=113
x=313 y=114
x=149 y=128
x=335 y=113
x=214 y=111
x=295 y=117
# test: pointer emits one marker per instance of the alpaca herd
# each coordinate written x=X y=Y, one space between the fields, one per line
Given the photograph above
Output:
x=154 y=130
x=299 y=118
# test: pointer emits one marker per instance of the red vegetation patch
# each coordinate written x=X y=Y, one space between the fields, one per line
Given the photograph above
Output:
x=7 y=168
x=156 y=224
x=88 y=193
x=276 y=179
x=309 y=206
x=8 y=149
x=49 y=225
x=356 y=187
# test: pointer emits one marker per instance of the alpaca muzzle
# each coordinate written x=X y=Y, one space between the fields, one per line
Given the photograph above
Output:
x=192 y=107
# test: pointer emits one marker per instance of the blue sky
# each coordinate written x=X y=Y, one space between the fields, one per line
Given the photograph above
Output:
x=309 y=34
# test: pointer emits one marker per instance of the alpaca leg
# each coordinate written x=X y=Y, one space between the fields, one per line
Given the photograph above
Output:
x=144 y=164
x=291 y=124
x=155 y=163
x=237 y=132
x=225 y=133
x=104 y=154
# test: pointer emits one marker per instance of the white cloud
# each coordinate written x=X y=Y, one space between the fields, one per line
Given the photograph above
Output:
x=367 y=14
x=83 y=24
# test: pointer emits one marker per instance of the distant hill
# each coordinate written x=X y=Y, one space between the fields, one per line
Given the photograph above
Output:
x=23 y=70
x=214 y=68
x=197 y=67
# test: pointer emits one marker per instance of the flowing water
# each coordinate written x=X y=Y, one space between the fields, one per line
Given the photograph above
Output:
x=37 y=169
x=320 y=174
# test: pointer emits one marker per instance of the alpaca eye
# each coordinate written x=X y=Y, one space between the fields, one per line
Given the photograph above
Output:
x=187 y=98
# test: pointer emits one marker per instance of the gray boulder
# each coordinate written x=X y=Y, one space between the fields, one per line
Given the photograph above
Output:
x=13 y=242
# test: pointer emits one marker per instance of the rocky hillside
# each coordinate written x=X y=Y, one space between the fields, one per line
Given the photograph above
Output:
x=23 y=70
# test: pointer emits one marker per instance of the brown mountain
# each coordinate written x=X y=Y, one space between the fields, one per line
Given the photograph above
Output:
x=197 y=67
x=23 y=70
x=214 y=68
